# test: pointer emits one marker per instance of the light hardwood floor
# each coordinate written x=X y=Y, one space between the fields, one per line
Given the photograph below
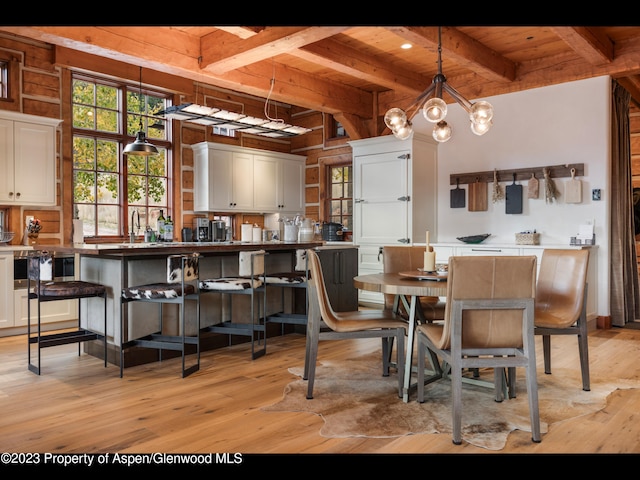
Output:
x=77 y=405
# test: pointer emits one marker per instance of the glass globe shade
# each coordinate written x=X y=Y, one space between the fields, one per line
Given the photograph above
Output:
x=395 y=118
x=434 y=110
x=441 y=132
x=480 y=128
x=481 y=112
x=403 y=132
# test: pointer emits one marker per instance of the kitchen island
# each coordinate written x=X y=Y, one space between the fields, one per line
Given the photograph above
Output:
x=119 y=265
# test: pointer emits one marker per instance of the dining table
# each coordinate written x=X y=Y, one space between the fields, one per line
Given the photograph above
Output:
x=406 y=288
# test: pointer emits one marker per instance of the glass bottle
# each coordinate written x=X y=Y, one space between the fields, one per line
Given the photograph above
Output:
x=168 y=229
x=161 y=223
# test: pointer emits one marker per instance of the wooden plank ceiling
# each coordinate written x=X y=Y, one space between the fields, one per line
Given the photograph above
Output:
x=357 y=73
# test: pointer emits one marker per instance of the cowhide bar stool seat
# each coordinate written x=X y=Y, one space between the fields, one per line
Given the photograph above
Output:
x=43 y=287
x=181 y=285
x=290 y=281
x=250 y=282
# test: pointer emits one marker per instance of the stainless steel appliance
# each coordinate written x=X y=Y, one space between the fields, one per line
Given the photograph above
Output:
x=187 y=234
x=203 y=230
x=63 y=268
x=218 y=231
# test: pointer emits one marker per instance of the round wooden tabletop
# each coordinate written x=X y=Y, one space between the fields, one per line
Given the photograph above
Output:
x=396 y=284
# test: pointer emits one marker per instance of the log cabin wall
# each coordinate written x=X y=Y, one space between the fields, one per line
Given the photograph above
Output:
x=39 y=87
x=41 y=91
x=35 y=89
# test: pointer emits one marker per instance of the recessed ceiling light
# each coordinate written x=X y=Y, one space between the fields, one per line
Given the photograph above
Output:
x=406 y=46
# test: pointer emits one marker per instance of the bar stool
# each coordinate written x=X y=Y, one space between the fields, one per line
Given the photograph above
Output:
x=295 y=279
x=249 y=281
x=46 y=289
x=181 y=285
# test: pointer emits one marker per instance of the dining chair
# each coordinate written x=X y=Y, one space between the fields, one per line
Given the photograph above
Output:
x=561 y=301
x=249 y=281
x=401 y=258
x=373 y=323
x=489 y=323
x=43 y=287
x=181 y=285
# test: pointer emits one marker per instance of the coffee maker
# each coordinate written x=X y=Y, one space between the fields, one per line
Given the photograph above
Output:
x=202 y=229
x=218 y=231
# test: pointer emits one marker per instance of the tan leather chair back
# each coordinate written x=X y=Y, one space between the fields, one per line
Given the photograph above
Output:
x=318 y=287
x=561 y=287
x=482 y=277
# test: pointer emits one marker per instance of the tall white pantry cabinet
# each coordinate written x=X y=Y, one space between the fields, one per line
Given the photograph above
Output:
x=394 y=198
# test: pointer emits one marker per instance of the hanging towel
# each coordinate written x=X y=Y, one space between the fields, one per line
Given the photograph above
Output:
x=301 y=260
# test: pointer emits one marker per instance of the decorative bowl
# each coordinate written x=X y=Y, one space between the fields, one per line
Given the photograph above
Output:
x=6 y=237
x=474 y=238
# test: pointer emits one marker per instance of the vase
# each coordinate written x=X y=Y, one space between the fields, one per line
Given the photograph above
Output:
x=33 y=238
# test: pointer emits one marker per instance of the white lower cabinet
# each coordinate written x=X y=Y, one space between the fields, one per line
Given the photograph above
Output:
x=444 y=251
x=6 y=290
x=13 y=305
x=51 y=312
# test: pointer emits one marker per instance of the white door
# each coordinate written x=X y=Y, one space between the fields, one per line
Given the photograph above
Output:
x=381 y=199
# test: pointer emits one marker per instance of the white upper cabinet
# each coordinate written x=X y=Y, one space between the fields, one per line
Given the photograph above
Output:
x=267 y=177
x=229 y=178
x=278 y=184
x=27 y=159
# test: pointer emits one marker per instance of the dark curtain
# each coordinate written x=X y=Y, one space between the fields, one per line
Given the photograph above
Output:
x=624 y=296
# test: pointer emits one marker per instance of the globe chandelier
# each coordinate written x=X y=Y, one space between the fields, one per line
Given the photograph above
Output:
x=434 y=108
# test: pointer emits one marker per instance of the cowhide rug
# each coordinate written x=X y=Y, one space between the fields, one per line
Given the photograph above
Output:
x=354 y=400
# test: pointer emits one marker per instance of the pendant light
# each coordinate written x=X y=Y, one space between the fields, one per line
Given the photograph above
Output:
x=140 y=146
x=434 y=109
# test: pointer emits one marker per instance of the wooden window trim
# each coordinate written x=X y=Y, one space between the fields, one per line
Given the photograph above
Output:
x=13 y=81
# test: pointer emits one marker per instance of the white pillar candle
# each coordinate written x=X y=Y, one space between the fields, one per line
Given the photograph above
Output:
x=247 y=232
x=430 y=261
x=257 y=235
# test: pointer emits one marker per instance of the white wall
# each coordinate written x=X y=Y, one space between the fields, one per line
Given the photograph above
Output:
x=567 y=123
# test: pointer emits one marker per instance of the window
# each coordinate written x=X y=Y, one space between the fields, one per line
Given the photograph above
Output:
x=340 y=195
x=227 y=132
x=4 y=75
x=106 y=117
x=334 y=128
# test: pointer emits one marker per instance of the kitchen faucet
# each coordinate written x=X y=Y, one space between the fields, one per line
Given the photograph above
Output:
x=132 y=234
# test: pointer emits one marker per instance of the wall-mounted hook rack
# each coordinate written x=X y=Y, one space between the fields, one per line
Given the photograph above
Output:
x=555 y=171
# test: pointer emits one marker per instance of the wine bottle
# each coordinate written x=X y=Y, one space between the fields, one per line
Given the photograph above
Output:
x=168 y=229
x=161 y=228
